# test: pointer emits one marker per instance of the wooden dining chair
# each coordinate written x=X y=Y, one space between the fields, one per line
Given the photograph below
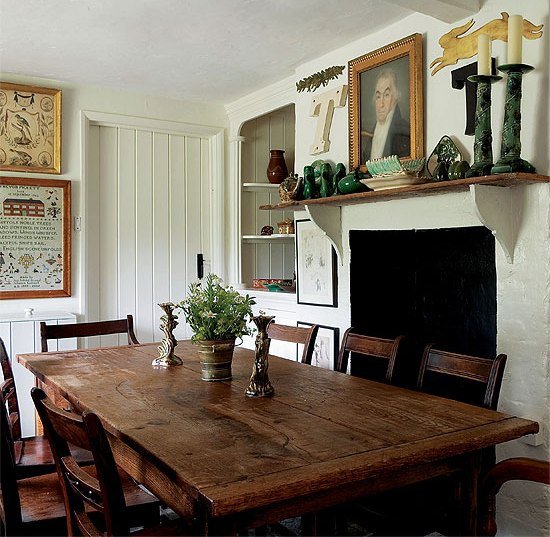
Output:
x=382 y=350
x=32 y=455
x=99 y=328
x=296 y=334
x=107 y=489
x=450 y=371
x=520 y=468
x=29 y=506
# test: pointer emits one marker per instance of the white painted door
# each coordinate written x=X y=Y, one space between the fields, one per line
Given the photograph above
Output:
x=149 y=208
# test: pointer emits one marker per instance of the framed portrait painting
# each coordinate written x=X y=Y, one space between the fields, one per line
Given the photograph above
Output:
x=316 y=274
x=325 y=351
x=30 y=129
x=35 y=238
x=386 y=103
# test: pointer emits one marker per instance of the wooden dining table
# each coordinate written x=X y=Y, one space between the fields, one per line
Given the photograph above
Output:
x=225 y=461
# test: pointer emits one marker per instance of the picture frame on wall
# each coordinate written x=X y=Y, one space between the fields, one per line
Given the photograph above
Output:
x=30 y=129
x=325 y=351
x=386 y=103
x=35 y=238
x=316 y=274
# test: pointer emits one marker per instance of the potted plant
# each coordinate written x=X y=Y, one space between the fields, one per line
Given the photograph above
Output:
x=218 y=315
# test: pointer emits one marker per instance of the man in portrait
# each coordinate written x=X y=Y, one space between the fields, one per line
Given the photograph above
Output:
x=391 y=132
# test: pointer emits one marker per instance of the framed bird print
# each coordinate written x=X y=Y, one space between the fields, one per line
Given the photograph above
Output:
x=35 y=238
x=30 y=129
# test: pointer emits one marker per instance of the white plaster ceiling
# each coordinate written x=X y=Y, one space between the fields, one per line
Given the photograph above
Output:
x=200 y=50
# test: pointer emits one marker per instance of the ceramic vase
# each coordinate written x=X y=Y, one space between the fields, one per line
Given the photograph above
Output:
x=276 y=168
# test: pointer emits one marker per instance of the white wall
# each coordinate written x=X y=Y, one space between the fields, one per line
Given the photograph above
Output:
x=78 y=98
x=523 y=291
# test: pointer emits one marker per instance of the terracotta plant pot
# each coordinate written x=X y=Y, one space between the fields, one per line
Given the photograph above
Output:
x=276 y=168
x=216 y=357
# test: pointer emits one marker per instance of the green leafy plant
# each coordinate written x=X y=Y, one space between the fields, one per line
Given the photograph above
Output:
x=216 y=311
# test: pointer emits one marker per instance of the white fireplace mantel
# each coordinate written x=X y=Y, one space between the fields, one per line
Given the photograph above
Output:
x=497 y=206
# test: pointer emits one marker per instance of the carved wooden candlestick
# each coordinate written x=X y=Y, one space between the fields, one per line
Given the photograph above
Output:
x=166 y=348
x=510 y=149
x=259 y=381
x=483 y=143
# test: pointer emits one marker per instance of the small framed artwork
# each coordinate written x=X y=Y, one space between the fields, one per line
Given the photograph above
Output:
x=386 y=103
x=35 y=238
x=30 y=129
x=325 y=352
x=316 y=273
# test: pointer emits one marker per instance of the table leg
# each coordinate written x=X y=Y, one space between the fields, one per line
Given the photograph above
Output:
x=464 y=515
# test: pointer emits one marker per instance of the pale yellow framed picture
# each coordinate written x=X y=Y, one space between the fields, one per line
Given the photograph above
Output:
x=386 y=103
x=30 y=129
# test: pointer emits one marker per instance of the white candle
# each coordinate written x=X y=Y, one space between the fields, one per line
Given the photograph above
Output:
x=483 y=54
x=515 y=38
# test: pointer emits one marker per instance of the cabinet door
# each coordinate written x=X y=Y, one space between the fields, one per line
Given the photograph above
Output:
x=22 y=342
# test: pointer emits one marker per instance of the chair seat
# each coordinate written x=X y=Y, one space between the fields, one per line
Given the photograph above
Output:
x=42 y=500
x=34 y=456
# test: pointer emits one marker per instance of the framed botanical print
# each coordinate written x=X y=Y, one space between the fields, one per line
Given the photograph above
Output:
x=30 y=129
x=316 y=273
x=386 y=103
x=35 y=238
x=325 y=351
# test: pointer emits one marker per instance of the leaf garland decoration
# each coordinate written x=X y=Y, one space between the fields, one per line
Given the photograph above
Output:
x=312 y=82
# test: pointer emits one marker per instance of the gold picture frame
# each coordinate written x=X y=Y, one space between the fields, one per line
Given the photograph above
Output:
x=399 y=68
x=35 y=238
x=30 y=129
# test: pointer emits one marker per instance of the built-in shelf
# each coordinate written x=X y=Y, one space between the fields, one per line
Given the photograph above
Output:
x=425 y=189
x=260 y=186
x=269 y=238
x=494 y=202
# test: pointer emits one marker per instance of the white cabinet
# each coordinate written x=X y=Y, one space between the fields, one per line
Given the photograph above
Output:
x=21 y=335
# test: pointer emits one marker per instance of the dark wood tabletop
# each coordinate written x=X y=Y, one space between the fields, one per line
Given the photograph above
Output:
x=226 y=460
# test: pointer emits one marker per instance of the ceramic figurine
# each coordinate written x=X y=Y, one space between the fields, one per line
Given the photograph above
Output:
x=291 y=188
x=339 y=174
x=440 y=172
x=309 y=182
x=326 y=180
x=351 y=183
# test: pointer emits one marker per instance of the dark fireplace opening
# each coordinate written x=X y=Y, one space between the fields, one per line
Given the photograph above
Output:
x=433 y=286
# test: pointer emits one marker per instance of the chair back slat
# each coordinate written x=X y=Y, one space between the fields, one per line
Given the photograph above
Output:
x=361 y=345
x=99 y=328
x=484 y=372
x=80 y=488
x=296 y=334
x=11 y=398
x=10 y=506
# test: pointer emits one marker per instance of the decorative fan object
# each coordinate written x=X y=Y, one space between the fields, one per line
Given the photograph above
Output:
x=390 y=172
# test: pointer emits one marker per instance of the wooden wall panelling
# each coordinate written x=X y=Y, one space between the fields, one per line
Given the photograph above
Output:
x=126 y=227
x=193 y=183
x=108 y=226
x=161 y=226
x=178 y=224
x=262 y=142
x=144 y=318
x=206 y=204
x=92 y=237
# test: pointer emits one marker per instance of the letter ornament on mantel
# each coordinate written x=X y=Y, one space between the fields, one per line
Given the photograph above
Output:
x=322 y=107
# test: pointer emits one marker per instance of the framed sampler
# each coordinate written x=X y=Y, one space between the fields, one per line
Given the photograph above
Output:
x=35 y=238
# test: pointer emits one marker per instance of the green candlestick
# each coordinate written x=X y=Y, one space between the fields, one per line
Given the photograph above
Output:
x=510 y=149
x=483 y=143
